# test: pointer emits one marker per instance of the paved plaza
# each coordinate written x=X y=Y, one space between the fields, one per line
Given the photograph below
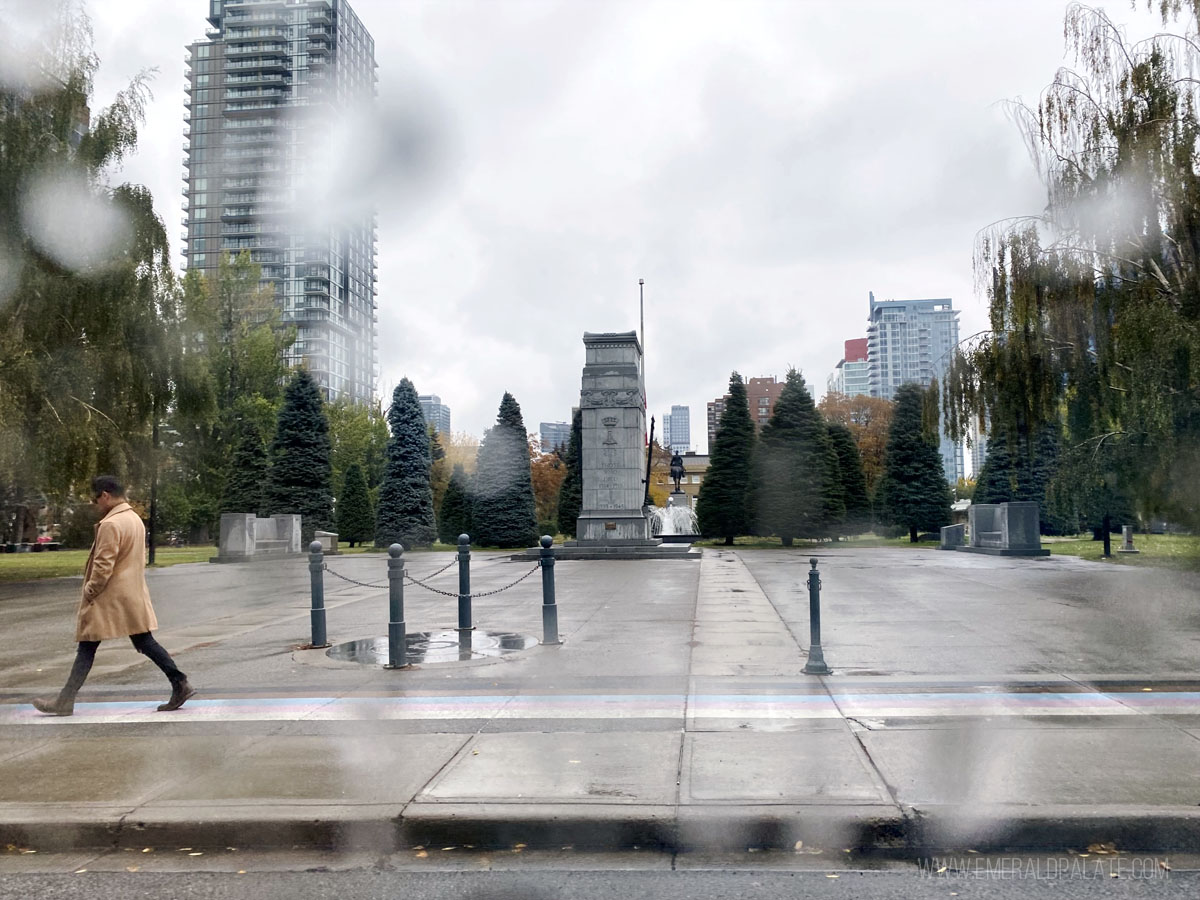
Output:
x=975 y=702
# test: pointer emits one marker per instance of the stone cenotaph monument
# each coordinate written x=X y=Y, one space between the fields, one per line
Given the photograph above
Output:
x=613 y=405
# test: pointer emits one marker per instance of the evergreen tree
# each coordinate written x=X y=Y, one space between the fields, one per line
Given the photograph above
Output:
x=249 y=470
x=301 y=474
x=913 y=492
x=355 y=521
x=851 y=479
x=570 y=493
x=503 y=513
x=796 y=492
x=454 y=515
x=1012 y=473
x=405 y=512
x=722 y=505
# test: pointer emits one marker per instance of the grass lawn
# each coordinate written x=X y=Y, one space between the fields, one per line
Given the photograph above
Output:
x=56 y=564
x=1175 y=551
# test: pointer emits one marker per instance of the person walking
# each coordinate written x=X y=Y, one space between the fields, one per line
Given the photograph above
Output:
x=116 y=601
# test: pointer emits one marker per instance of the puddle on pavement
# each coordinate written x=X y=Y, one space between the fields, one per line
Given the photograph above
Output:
x=450 y=645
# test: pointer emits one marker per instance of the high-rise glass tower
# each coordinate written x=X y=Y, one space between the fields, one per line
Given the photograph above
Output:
x=677 y=429
x=268 y=88
x=912 y=340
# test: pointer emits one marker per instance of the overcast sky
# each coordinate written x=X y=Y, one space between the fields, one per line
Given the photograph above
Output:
x=761 y=165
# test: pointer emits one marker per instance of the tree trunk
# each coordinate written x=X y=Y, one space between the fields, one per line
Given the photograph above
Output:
x=912 y=534
x=729 y=540
x=1107 y=537
x=786 y=539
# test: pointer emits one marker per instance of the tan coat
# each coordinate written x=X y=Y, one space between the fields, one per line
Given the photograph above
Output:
x=116 y=601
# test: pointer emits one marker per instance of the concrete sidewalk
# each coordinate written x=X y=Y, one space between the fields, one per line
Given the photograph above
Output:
x=976 y=703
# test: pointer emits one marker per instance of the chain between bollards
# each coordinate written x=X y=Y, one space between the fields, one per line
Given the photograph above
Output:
x=316 y=566
x=549 y=607
x=464 y=583
x=397 y=646
x=816 y=657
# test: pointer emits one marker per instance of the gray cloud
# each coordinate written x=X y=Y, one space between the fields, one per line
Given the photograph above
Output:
x=761 y=164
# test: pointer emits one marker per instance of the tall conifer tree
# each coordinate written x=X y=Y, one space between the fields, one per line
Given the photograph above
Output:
x=851 y=480
x=913 y=491
x=722 y=505
x=503 y=513
x=301 y=474
x=570 y=493
x=796 y=491
x=405 y=512
x=454 y=515
x=249 y=470
x=355 y=521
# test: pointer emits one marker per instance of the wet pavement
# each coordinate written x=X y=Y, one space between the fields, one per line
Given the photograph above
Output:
x=974 y=701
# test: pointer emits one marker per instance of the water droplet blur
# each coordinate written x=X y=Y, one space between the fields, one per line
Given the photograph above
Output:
x=69 y=221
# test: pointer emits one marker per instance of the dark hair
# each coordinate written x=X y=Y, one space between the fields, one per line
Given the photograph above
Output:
x=107 y=484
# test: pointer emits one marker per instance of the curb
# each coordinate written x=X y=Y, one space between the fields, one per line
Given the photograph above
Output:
x=879 y=830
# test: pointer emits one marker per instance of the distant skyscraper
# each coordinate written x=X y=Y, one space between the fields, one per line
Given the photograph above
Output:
x=554 y=434
x=435 y=412
x=912 y=340
x=761 y=394
x=677 y=429
x=979 y=448
x=852 y=375
x=266 y=92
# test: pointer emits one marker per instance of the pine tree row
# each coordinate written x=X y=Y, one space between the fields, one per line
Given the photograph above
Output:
x=803 y=477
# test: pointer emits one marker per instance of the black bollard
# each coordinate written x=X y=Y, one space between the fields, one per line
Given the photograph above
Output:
x=397 y=646
x=816 y=658
x=316 y=566
x=464 y=583
x=549 y=607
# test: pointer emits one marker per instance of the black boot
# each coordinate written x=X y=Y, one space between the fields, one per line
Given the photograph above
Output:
x=63 y=706
x=180 y=692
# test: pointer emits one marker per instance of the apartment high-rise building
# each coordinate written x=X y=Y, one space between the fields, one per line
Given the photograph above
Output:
x=852 y=376
x=435 y=412
x=267 y=93
x=552 y=435
x=677 y=429
x=761 y=394
x=912 y=340
x=979 y=448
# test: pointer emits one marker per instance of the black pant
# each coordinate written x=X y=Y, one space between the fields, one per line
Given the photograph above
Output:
x=143 y=643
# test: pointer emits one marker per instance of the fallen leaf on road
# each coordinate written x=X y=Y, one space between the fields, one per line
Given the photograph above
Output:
x=80 y=871
x=29 y=851
x=941 y=870
x=799 y=845
x=147 y=849
x=195 y=854
x=133 y=868
x=421 y=854
x=833 y=876
x=1164 y=866
x=241 y=871
x=1102 y=849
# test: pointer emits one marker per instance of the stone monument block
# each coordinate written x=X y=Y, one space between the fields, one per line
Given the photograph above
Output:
x=953 y=536
x=237 y=534
x=1005 y=529
x=1127 y=540
x=612 y=404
